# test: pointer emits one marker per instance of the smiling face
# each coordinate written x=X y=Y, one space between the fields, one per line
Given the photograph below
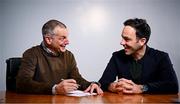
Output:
x=132 y=45
x=58 y=41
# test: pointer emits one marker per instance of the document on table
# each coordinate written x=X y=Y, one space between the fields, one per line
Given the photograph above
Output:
x=80 y=93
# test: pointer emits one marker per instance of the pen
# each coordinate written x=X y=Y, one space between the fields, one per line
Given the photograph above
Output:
x=76 y=83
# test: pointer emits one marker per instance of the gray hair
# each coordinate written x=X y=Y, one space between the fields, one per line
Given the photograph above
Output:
x=49 y=26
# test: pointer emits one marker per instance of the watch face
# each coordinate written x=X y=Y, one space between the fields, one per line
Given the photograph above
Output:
x=145 y=88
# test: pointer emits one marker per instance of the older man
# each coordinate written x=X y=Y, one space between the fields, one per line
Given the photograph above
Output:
x=49 y=68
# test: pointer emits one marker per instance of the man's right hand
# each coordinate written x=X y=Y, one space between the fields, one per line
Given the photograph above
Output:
x=115 y=87
x=66 y=86
x=125 y=86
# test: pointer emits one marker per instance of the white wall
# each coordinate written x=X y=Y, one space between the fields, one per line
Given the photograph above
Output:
x=95 y=27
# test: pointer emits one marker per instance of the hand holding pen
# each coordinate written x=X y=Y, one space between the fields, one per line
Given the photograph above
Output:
x=66 y=85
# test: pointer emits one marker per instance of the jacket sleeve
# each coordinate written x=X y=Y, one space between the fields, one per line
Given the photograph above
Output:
x=74 y=74
x=24 y=79
x=167 y=80
x=109 y=74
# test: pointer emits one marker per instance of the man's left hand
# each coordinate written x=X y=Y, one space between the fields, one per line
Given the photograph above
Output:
x=93 y=87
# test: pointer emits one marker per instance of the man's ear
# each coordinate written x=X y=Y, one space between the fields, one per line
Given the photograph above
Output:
x=142 y=41
x=48 y=39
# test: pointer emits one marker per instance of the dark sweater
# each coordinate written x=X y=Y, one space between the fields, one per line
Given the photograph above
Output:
x=40 y=71
x=157 y=71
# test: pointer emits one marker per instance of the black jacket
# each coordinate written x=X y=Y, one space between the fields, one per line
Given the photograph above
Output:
x=157 y=71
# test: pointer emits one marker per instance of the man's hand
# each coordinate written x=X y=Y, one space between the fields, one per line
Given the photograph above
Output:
x=125 y=86
x=129 y=87
x=115 y=87
x=93 y=87
x=66 y=86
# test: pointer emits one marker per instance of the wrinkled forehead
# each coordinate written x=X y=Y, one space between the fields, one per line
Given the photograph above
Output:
x=59 y=31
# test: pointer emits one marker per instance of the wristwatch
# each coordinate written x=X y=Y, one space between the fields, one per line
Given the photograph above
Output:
x=144 y=88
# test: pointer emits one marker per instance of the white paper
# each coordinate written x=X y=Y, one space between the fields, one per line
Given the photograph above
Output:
x=79 y=93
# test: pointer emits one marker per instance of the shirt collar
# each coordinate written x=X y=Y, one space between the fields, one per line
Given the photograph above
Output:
x=49 y=51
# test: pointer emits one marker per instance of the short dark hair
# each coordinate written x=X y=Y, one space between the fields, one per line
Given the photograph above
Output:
x=49 y=26
x=143 y=30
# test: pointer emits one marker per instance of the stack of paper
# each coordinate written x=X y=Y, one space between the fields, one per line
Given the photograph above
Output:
x=79 y=93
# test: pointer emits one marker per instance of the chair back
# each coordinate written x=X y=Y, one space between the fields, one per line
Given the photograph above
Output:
x=11 y=72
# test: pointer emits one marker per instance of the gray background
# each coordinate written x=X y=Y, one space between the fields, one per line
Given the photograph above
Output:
x=95 y=27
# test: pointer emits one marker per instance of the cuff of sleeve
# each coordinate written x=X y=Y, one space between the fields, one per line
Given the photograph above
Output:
x=54 y=90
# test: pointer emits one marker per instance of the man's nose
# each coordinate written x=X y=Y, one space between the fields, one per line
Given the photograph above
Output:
x=66 y=41
x=122 y=42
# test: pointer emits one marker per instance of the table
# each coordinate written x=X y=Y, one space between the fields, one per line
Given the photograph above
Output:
x=107 y=97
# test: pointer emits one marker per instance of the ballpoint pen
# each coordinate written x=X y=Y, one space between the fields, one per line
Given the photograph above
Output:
x=76 y=83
